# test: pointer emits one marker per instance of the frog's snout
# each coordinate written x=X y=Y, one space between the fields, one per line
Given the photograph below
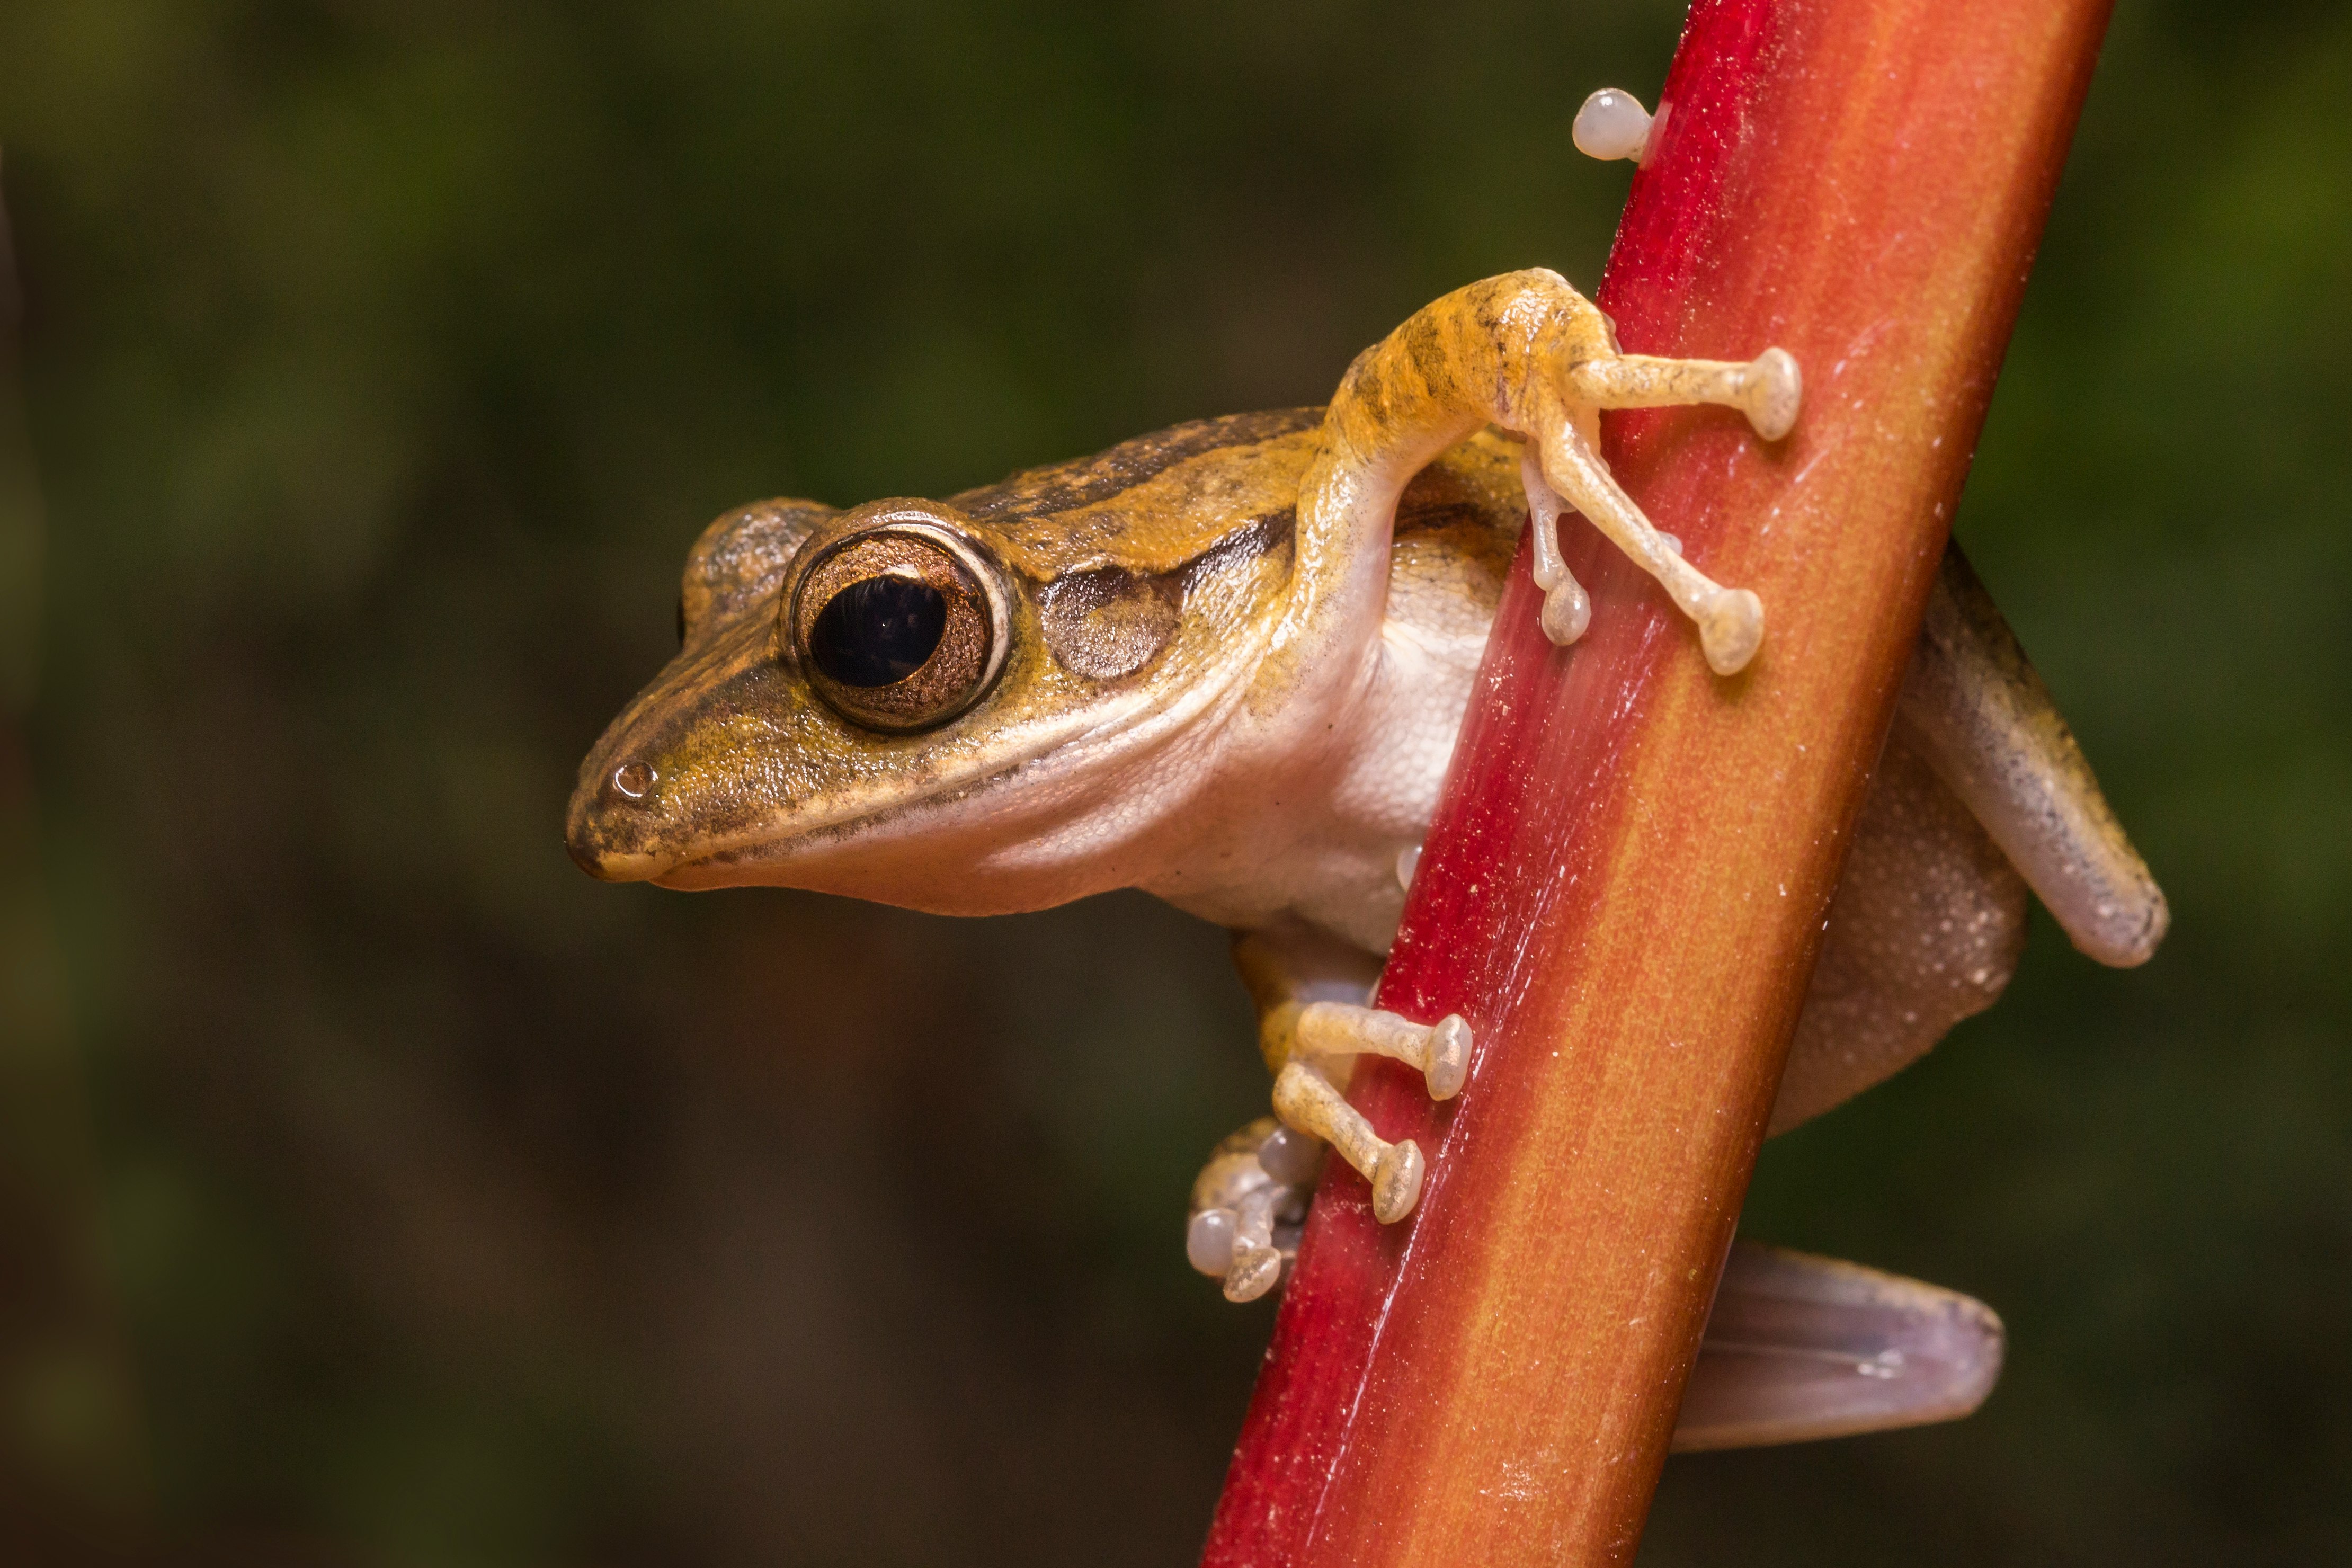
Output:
x=605 y=829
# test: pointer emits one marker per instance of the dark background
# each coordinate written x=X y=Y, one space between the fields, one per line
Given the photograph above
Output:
x=376 y=1189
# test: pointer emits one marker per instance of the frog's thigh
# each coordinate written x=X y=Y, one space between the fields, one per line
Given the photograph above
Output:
x=1925 y=931
x=1974 y=707
x=1980 y=775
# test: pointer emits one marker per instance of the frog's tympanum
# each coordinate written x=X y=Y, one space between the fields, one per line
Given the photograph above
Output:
x=1225 y=664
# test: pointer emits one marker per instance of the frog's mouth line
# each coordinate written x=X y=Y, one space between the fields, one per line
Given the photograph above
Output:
x=812 y=843
x=817 y=838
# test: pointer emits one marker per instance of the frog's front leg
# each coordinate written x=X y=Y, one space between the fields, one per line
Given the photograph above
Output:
x=1310 y=1031
x=1312 y=1024
x=1565 y=470
x=1529 y=354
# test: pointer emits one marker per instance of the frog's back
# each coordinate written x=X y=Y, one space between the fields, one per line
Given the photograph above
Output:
x=1168 y=503
x=1157 y=504
x=1211 y=487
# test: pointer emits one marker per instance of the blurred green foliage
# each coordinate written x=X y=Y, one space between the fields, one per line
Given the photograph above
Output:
x=381 y=360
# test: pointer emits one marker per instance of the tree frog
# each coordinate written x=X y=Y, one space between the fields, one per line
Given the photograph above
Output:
x=1225 y=663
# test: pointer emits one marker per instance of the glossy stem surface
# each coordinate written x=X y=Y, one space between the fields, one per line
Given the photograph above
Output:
x=1626 y=880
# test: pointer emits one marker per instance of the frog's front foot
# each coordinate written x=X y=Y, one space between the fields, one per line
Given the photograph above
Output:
x=1308 y=1102
x=1440 y=1050
x=1560 y=470
x=1248 y=1204
x=1249 y=1200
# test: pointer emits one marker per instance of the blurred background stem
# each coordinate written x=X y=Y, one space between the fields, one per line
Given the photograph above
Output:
x=72 y=1471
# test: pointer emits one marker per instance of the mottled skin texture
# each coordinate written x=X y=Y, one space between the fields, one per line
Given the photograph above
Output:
x=1234 y=657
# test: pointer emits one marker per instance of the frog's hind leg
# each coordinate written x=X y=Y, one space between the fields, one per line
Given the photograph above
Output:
x=1799 y=1347
x=1923 y=931
x=1975 y=709
x=1981 y=793
x=1796 y=1347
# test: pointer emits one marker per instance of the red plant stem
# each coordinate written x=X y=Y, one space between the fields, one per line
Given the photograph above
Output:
x=1625 y=883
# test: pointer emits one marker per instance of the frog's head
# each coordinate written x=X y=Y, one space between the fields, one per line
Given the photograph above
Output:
x=958 y=705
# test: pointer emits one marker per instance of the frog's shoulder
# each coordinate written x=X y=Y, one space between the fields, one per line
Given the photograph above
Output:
x=1152 y=504
x=1457 y=524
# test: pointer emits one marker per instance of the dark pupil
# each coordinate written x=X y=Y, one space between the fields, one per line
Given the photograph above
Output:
x=879 y=630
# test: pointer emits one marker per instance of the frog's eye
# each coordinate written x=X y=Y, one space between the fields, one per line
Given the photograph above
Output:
x=898 y=626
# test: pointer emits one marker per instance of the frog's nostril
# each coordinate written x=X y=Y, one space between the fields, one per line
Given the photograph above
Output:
x=634 y=780
x=614 y=823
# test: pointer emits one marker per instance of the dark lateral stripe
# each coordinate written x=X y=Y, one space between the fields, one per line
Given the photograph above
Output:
x=1259 y=536
x=1087 y=481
